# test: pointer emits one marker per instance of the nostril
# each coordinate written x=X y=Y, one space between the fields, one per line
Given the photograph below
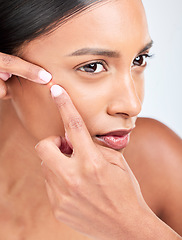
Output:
x=124 y=114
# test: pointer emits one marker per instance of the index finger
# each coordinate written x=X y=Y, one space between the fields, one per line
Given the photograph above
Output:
x=74 y=125
x=19 y=67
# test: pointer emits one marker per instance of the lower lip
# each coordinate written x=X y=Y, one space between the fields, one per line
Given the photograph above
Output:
x=115 y=142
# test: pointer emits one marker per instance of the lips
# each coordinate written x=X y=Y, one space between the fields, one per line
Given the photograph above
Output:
x=116 y=140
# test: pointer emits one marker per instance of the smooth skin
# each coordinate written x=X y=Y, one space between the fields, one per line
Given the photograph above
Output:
x=113 y=97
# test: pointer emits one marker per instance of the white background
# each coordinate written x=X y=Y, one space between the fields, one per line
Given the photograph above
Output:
x=163 y=78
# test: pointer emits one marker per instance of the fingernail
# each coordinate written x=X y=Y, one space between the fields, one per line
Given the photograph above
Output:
x=56 y=90
x=45 y=76
x=5 y=76
x=36 y=145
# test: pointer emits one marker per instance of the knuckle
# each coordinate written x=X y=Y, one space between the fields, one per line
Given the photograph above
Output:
x=60 y=214
x=7 y=60
x=63 y=205
x=63 y=101
x=75 y=123
x=90 y=170
x=57 y=213
x=95 y=166
x=97 y=162
x=30 y=71
x=74 y=184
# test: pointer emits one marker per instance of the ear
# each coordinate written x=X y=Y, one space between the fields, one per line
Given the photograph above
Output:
x=4 y=92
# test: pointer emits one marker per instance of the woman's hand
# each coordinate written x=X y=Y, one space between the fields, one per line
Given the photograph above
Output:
x=12 y=65
x=94 y=191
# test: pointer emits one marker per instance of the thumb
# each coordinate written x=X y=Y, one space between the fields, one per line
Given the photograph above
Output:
x=49 y=152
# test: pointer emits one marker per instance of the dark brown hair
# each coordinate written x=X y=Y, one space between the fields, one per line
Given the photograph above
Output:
x=25 y=20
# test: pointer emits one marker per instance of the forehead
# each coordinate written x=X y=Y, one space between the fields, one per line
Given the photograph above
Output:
x=116 y=22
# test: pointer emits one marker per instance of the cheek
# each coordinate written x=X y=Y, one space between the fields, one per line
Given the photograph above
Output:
x=139 y=84
x=35 y=108
x=87 y=102
x=88 y=98
x=38 y=112
x=141 y=89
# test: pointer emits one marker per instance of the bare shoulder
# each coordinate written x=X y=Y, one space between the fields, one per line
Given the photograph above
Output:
x=159 y=142
x=155 y=128
x=156 y=141
x=155 y=156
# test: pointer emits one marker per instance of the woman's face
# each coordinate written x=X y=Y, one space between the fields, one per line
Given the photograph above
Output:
x=98 y=57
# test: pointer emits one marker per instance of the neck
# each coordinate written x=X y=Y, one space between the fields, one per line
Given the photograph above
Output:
x=19 y=163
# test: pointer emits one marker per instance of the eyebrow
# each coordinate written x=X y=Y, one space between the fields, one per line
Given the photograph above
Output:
x=96 y=51
x=147 y=47
x=105 y=52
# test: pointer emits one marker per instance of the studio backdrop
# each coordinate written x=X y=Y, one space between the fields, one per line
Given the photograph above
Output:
x=163 y=77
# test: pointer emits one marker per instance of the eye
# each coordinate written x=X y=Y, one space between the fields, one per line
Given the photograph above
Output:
x=95 y=67
x=141 y=60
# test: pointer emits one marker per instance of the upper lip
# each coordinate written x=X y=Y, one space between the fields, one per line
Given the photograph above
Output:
x=120 y=133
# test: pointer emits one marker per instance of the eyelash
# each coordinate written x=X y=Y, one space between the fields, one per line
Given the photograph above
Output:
x=92 y=68
x=144 y=56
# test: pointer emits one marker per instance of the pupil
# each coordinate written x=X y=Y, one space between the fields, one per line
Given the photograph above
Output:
x=139 y=60
x=90 y=67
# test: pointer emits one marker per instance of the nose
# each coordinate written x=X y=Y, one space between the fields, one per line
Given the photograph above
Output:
x=125 y=97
